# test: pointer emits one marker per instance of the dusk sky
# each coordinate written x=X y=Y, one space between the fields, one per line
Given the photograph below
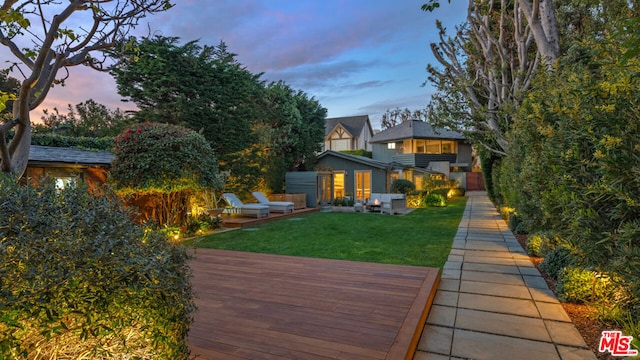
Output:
x=355 y=57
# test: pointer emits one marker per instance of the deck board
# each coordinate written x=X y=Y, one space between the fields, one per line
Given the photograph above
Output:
x=259 y=306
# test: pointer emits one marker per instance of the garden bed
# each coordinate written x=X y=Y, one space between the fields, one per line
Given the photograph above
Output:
x=583 y=316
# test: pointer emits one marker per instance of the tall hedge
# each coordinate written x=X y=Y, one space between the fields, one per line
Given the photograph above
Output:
x=578 y=142
x=78 y=279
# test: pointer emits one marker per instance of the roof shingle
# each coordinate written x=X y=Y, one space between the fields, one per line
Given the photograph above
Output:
x=60 y=155
x=414 y=129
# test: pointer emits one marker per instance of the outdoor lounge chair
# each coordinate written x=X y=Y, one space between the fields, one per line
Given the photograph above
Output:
x=275 y=206
x=257 y=210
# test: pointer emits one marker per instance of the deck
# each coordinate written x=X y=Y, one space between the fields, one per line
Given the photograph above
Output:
x=259 y=306
x=242 y=221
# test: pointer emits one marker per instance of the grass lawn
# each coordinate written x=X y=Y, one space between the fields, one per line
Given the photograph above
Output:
x=422 y=238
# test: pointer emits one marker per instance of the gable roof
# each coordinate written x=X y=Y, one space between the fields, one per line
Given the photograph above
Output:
x=49 y=155
x=357 y=159
x=373 y=163
x=353 y=124
x=415 y=129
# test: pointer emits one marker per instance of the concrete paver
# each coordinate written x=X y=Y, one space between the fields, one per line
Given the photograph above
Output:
x=502 y=290
x=492 y=303
x=483 y=346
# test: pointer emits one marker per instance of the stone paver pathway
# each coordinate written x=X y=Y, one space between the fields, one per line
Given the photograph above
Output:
x=492 y=303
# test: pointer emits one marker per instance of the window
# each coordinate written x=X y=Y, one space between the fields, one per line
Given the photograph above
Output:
x=407 y=147
x=448 y=147
x=64 y=177
x=64 y=182
x=433 y=147
x=391 y=146
x=340 y=144
x=419 y=146
x=338 y=184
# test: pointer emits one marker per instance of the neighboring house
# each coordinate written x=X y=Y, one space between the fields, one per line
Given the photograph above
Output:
x=412 y=150
x=348 y=133
x=417 y=144
x=68 y=165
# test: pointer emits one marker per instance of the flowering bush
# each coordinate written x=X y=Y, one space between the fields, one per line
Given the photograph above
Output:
x=160 y=166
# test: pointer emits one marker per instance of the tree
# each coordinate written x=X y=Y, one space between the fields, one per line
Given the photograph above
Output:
x=488 y=67
x=8 y=85
x=292 y=128
x=200 y=87
x=311 y=132
x=162 y=165
x=43 y=23
x=253 y=128
x=540 y=17
x=396 y=116
x=86 y=119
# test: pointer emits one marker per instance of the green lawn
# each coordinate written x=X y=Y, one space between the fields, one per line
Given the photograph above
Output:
x=421 y=238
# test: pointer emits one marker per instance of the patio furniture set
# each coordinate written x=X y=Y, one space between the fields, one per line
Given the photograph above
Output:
x=377 y=202
x=386 y=203
x=260 y=209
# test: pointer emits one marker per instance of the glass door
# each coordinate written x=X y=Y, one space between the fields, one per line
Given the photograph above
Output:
x=324 y=190
x=363 y=185
x=338 y=185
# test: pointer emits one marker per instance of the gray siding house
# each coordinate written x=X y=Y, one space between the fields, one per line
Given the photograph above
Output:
x=412 y=150
x=355 y=176
x=418 y=144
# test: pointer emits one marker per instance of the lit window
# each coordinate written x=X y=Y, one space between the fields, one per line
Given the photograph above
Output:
x=391 y=146
x=65 y=182
x=338 y=185
x=448 y=147
x=433 y=147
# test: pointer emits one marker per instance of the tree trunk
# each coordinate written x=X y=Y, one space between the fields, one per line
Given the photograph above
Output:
x=541 y=17
x=15 y=155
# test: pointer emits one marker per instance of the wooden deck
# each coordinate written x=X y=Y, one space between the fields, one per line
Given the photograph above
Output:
x=241 y=221
x=258 y=306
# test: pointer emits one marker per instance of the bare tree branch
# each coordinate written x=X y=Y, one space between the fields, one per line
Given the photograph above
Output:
x=58 y=47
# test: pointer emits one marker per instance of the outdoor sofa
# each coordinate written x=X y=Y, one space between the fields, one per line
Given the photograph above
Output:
x=389 y=203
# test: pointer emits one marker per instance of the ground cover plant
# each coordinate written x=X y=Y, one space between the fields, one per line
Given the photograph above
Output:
x=422 y=237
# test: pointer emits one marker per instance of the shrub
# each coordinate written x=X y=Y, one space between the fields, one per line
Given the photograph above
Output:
x=533 y=245
x=576 y=285
x=580 y=285
x=556 y=261
x=435 y=200
x=415 y=200
x=55 y=140
x=541 y=243
x=162 y=165
x=457 y=191
x=77 y=276
x=343 y=201
x=402 y=186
